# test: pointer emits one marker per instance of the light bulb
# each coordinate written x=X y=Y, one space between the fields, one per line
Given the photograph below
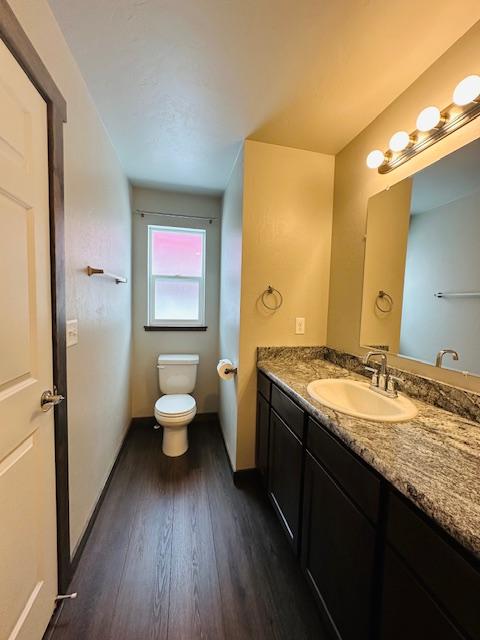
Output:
x=468 y=90
x=375 y=159
x=399 y=141
x=428 y=118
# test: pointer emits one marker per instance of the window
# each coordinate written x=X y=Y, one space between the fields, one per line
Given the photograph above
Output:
x=176 y=277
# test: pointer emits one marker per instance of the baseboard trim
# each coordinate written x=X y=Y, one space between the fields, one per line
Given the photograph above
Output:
x=206 y=417
x=241 y=475
x=147 y=421
x=244 y=475
x=88 y=529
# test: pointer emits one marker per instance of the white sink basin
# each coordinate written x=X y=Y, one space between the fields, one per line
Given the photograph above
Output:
x=357 y=399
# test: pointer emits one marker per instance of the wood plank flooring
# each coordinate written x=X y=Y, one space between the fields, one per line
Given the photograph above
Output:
x=178 y=553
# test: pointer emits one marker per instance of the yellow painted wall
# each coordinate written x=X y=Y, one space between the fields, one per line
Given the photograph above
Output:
x=355 y=183
x=386 y=250
x=287 y=222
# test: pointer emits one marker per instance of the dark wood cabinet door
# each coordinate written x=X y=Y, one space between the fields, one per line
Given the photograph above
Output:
x=408 y=610
x=285 y=475
x=263 y=425
x=338 y=554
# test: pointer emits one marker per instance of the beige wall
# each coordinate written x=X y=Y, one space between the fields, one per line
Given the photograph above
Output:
x=148 y=344
x=385 y=252
x=230 y=292
x=287 y=224
x=98 y=232
x=355 y=183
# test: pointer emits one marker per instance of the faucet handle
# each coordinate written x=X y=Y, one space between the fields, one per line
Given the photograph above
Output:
x=374 y=372
x=391 y=383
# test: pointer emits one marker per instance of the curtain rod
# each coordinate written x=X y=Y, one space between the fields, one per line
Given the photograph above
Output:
x=143 y=213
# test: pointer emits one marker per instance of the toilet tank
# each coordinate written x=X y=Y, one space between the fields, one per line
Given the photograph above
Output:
x=177 y=373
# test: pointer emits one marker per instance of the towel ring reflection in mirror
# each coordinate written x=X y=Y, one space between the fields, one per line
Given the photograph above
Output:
x=271 y=291
x=384 y=302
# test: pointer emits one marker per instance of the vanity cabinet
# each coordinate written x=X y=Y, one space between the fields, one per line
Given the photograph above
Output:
x=285 y=475
x=408 y=611
x=425 y=572
x=379 y=568
x=338 y=549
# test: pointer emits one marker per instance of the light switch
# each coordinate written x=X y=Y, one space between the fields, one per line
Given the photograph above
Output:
x=299 y=325
x=72 y=332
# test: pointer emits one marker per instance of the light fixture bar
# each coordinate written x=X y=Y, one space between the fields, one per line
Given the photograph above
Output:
x=455 y=118
x=432 y=126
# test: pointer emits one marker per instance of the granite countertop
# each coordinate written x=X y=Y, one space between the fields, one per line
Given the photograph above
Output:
x=433 y=459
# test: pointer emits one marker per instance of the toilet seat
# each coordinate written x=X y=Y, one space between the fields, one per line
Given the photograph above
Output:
x=175 y=405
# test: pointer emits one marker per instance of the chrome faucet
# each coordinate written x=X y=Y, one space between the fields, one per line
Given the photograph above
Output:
x=382 y=381
x=383 y=360
x=440 y=354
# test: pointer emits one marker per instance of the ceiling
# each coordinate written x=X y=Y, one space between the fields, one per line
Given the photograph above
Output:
x=453 y=177
x=180 y=83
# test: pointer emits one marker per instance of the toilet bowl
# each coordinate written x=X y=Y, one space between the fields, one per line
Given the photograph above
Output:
x=175 y=410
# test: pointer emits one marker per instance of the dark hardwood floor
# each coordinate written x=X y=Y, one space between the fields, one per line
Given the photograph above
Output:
x=178 y=552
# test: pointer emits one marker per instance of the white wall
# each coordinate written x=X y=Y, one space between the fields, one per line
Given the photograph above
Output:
x=230 y=291
x=98 y=233
x=148 y=344
x=443 y=254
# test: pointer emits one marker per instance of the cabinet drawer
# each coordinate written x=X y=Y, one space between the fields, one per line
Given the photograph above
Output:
x=288 y=410
x=451 y=579
x=358 y=482
x=264 y=385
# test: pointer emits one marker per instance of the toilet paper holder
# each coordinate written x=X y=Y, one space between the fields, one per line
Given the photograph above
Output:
x=232 y=370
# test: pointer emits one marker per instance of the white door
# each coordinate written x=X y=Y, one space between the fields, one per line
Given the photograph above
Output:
x=28 y=565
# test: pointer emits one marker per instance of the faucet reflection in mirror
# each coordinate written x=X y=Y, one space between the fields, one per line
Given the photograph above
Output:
x=432 y=125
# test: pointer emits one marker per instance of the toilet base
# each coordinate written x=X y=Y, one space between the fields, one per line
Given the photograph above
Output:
x=175 y=441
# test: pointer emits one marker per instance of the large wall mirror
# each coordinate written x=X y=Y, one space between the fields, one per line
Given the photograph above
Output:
x=421 y=289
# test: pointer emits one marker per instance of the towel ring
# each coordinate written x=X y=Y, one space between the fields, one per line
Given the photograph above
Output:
x=388 y=304
x=271 y=291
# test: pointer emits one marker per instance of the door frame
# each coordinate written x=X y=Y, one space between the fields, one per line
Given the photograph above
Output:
x=16 y=40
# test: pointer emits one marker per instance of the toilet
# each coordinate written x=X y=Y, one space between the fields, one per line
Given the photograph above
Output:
x=177 y=374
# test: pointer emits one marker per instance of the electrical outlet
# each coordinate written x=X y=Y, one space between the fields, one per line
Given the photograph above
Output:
x=72 y=332
x=299 y=325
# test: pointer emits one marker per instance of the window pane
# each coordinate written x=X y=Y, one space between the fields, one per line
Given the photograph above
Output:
x=176 y=300
x=176 y=253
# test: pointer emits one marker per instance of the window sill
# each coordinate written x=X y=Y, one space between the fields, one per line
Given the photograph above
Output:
x=173 y=328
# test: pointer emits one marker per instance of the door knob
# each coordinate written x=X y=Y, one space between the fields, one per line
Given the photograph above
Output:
x=49 y=399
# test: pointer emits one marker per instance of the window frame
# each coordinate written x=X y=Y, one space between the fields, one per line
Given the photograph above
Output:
x=152 y=279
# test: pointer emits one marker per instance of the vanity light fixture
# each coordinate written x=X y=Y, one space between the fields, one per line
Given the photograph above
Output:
x=375 y=158
x=429 y=119
x=399 y=141
x=466 y=91
x=432 y=125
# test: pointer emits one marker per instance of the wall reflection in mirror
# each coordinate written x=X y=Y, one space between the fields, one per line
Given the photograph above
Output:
x=421 y=290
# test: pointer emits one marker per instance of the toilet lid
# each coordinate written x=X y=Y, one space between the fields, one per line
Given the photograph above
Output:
x=175 y=404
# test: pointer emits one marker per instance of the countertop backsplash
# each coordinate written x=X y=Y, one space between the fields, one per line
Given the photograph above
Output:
x=439 y=394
